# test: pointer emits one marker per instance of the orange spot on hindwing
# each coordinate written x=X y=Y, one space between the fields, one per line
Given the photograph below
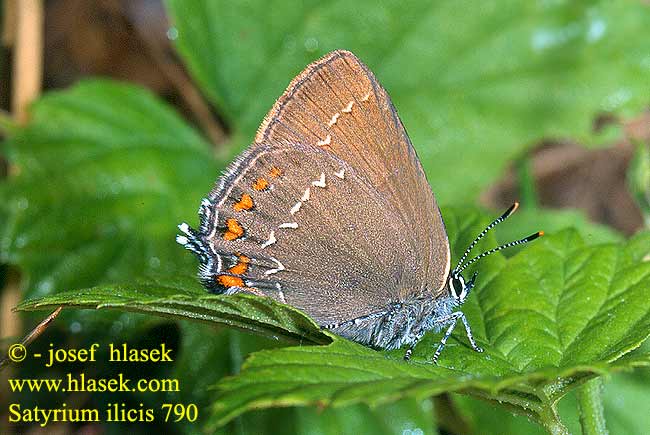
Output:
x=234 y=230
x=275 y=172
x=230 y=281
x=245 y=203
x=242 y=265
x=261 y=184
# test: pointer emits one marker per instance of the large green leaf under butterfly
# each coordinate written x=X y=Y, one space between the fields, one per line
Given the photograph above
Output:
x=549 y=317
x=475 y=83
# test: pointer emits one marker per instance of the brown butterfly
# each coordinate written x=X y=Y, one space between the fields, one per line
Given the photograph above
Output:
x=329 y=211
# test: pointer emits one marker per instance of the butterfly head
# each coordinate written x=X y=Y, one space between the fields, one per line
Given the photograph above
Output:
x=459 y=288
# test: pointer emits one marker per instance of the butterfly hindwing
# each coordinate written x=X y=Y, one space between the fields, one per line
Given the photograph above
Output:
x=304 y=229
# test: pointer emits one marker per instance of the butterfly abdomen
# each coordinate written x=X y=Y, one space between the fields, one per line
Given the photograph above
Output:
x=399 y=324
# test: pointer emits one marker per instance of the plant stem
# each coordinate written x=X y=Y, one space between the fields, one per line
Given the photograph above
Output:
x=592 y=418
x=551 y=421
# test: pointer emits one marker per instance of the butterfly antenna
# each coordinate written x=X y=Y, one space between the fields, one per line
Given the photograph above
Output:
x=498 y=248
x=513 y=208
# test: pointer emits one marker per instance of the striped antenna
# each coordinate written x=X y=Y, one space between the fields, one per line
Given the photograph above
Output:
x=513 y=208
x=498 y=248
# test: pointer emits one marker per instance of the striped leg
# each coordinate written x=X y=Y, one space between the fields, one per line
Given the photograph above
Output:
x=358 y=320
x=453 y=319
x=409 y=351
x=468 y=330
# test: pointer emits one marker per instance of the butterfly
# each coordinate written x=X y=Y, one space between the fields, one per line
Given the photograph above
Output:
x=330 y=211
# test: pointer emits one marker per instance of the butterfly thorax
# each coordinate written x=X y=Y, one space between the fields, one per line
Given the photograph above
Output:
x=400 y=323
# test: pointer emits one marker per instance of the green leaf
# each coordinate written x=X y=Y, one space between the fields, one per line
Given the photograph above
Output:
x=7 y=124
x=105 y=173
x=627 y=410
x=553 y=316
x=344 y=373
x=489 y=419
x=245 y=312
x=470 y=99
x=198 y=365
x=402 y=417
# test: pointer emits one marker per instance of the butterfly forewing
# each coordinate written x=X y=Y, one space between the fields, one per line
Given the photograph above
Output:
x=337 y=105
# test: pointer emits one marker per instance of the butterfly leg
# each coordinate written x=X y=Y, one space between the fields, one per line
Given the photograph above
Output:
x=409 y=351
x=446 y=320
x=358 y=320
x=468 y=330
x=453 y=319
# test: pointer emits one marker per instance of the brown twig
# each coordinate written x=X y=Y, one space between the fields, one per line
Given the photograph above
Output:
x=41 y=327
x=28 y=57
x=35 y=333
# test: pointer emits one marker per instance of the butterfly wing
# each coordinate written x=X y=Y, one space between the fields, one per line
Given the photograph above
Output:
x=338 y=105
x=329 y=210
x=299 y=225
